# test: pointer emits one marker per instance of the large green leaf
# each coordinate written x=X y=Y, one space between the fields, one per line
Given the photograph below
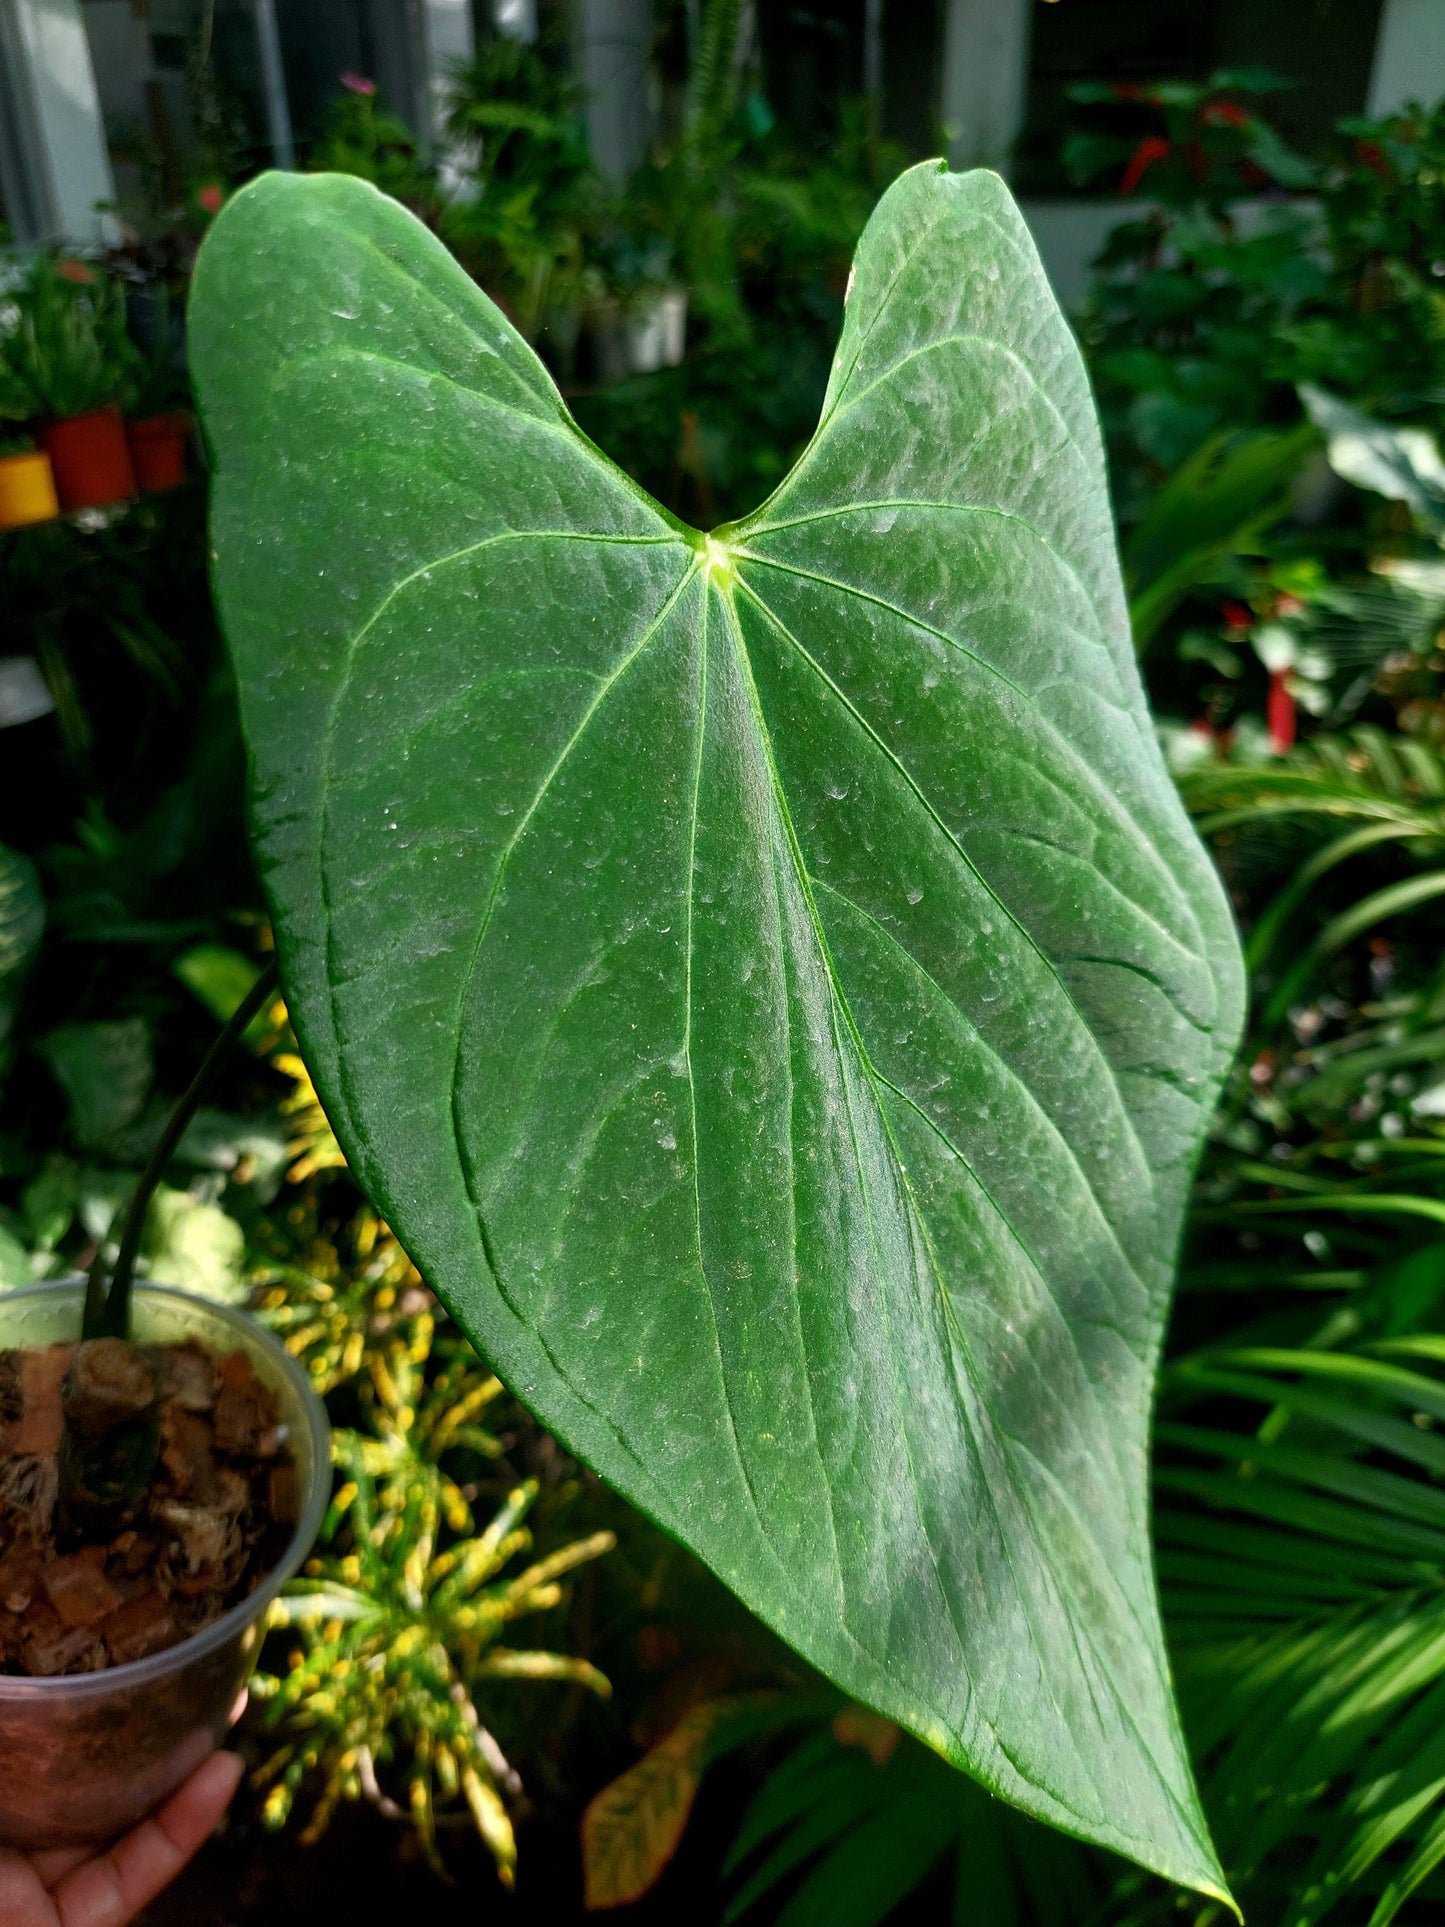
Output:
x=768 y=979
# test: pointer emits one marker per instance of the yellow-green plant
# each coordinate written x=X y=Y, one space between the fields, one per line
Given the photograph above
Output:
x=397 y=1625
x=331 y=1311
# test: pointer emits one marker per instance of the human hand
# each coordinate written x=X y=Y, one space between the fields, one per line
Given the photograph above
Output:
x=75 y=1887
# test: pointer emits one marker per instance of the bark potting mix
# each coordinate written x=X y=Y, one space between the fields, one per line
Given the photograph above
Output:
x=143 y=1491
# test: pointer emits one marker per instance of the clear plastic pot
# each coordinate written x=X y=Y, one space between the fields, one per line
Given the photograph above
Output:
x=82 y=1757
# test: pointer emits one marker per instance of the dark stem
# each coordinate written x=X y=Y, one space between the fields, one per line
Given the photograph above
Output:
x=107 y=1313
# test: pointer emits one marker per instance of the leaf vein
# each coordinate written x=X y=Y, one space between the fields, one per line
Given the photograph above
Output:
x=1004 y=911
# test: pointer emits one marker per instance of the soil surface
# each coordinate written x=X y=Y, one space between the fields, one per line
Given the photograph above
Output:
x=143 y=1491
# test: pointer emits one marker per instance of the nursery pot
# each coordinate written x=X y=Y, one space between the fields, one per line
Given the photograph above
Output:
x=90 y=458
x=84 y=1756
x=27 y=490
x=158 y=450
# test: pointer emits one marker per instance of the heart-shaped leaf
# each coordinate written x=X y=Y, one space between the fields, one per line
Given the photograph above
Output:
x=767 y=979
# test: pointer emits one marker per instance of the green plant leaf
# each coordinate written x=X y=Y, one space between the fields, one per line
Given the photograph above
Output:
x=1216 y=504
x=1402 y=464
x=1311 y=1649
x=106 y=1071
x=768 y=980
x=22 y=922
x=195 y=1246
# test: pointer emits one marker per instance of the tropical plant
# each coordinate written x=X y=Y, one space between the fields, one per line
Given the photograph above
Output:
x=1299 y=1510
x=1215 y=506
x=1197 y=144
x=1298 y=1506
x=531 y=199
x=1302 y=1551
x=1297 y=1496
x=397 y=1623
x=394 y=1637
x=1301 y=1526
x=64 y=343
x=786 y=1294
x=765 y=274
x=358 y=136
x=850 y=1821
x=1205 y=315
x=680 y=197
x=1364 y=796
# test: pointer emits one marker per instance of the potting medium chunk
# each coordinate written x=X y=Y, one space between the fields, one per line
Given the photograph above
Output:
x=29 y=1487
x=186 y=1451
x=109 y=1381
x=19 y=1577
x=283 y=1492
x=12 y=1388
x=76 y=1586
x=39 y=1420
x=48 y=1647
x=133 y=1553
x=245 y=1411
x=189 y=1378
x=139 y=1627
x=207 y=1549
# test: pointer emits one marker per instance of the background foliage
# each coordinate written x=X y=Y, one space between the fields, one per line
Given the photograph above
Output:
x=1289 y=588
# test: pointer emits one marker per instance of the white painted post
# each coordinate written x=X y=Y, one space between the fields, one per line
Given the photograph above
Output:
x=448 y=41
x=615 y=39
x=516 y=20
x=985 y=79
x=1409 y=56
x=273 y=87
x=56 y=164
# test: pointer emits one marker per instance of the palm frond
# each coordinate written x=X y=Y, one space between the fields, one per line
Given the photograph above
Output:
x=856 y=1817
x=1301 y=1530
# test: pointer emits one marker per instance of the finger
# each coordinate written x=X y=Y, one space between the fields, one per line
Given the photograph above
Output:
x=243 y=1700
x=23 y=1901
x=56 y=1862
x=110 y=1891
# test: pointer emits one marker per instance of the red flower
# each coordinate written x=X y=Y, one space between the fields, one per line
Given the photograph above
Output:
x=358 y=84
x=75 y=271
x=1223 y=113
x=1152 y=148
x=1279 y=713
x=1371 y=153
x=210 y=197
x=1237 y=616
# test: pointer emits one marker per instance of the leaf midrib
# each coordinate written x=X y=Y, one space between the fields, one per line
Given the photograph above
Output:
x=605 y=686
x=978 y=1382
x=843 y=1015
x=843 y=1012
x=915 y=789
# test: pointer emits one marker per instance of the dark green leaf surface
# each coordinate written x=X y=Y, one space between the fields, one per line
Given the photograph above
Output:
x=22 y=920
x=767 y=980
